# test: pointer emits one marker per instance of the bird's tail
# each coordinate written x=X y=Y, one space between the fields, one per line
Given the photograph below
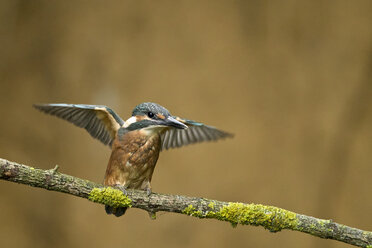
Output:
x=115 y=211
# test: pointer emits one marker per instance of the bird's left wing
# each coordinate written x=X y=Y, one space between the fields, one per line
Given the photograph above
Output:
x=100 y=121
x=196 y=132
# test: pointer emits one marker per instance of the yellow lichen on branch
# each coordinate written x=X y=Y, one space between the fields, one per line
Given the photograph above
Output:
x=109 y=196
x=271 y=218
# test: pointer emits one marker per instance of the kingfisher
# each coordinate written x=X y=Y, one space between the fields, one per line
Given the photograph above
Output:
x=135 y=143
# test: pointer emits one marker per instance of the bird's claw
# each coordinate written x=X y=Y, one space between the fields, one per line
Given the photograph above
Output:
x=122 y=188
x=148 y=191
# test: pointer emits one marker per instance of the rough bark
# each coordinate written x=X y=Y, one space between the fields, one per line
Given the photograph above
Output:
x=272 y=218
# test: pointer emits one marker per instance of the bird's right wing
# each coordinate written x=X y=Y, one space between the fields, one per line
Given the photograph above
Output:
x=100 y=121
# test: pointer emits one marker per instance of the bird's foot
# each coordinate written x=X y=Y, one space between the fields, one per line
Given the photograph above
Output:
x=122 y=188
x=120 y=210
x=148 y=191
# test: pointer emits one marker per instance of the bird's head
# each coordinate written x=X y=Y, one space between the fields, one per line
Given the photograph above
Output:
x=152 y=116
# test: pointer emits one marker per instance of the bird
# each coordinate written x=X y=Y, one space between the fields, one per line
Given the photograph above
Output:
x=135 y=143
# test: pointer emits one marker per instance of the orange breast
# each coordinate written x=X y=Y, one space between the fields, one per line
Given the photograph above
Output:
x=133 y=159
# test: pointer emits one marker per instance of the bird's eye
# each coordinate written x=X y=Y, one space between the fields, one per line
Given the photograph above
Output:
x=150 y=114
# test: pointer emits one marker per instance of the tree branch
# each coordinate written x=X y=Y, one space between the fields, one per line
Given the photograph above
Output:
x=272 y=218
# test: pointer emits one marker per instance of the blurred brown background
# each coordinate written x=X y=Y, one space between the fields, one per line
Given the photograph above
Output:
x=291 y=79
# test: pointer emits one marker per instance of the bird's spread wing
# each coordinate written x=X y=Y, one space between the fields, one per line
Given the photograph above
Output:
x=196 y=132
x=100 y=121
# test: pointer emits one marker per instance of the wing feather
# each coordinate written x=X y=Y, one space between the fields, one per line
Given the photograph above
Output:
x=100 y=121
x=197 y=132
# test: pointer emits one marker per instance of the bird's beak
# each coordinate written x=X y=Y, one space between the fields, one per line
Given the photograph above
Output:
x=170 y=121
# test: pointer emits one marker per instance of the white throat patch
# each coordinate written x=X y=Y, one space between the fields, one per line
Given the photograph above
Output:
x=131 y=120
x=152 y=129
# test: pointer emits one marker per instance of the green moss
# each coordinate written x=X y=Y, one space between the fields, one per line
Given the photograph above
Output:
x=211 y=205
x=271 y=218
x=110 y=196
